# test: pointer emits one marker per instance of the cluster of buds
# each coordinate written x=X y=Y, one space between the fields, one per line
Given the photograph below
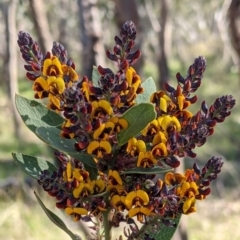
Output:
x=93 y=117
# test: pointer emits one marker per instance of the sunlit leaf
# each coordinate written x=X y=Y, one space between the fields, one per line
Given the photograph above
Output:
x=166 y=232
x=32 y=165
x=149 y=87
x=137 y=117
x=56 y=220
x=51 y=136
x=35 y=114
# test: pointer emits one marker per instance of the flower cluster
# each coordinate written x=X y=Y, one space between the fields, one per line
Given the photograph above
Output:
x=93 y=112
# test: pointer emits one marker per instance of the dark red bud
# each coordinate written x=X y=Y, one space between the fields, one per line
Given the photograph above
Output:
x=124 y=64
x=187 y=86
x=31 y=76
x=192 y=99
x=180 y=78
x=168 y=88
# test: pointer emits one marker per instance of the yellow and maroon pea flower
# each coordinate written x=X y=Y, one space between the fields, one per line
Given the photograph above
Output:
x=119 y=124
x=182 y=103
x=69 y=75
x=168 y=123
x=146 y=160
x=66 y=132
x=83 y=190
x=115 y=183
x=187 y=192
x=52 y=67
x=135 y=146
x=183 y=116
x=159 y=138
x=186 y=188
x=162 y=101
x=151 y=129
x=189 y=204
x=101 y=108
x=141 y=212
x=160 y=150
x=104 y=131
x=96 y=207
x=114 y=178
x=136 y=198
x=174 y=179
x=133 y=80
x=76 y=212
x=99 y=148
x=98 y=185
x=80 y=175
x=136 y=202
x=118 y=202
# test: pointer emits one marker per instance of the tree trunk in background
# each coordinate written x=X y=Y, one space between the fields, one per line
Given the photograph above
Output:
x=39 y=16
x=9 y=11
x=62 y=24
x=234 y=27
x=93 y=52
x=127 y=10
x=162 y=60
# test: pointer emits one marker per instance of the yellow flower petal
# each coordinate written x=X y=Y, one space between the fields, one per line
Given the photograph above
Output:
x=98 y=131
x=92 y=147
x=69 y=210
x=158 y=138
x=57 y=84
x=129 y=75
x=106 y=146
x=188 y=204
x=159 y=150
x=143 y=195
x=80 y=211
x=40 y=84
x=163 y=104
x=69 y=170
x=129 y=199
x=117 y=177
x=133 y=212
x=106 y=106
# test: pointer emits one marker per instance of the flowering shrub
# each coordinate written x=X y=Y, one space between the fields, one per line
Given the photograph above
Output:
x=118 y=140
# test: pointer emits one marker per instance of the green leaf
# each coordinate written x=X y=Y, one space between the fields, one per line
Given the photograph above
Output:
x=55 y=219
x=149 y=88
x=51 y=136
x=35 y=114
x=165 y=232
x=153 y=170
x=95 y=76
x=32 y=165
x=138 y=117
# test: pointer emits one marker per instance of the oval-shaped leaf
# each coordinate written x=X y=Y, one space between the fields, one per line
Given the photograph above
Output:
x=149 y=87
x=51 y=136
x=137 y=117
x=153 y=170
x=32 y=165
x=166 y=232
x=35 y=114
x=56 y=220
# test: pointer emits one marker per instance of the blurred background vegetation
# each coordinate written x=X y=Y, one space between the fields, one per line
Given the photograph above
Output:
x=171 y=34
